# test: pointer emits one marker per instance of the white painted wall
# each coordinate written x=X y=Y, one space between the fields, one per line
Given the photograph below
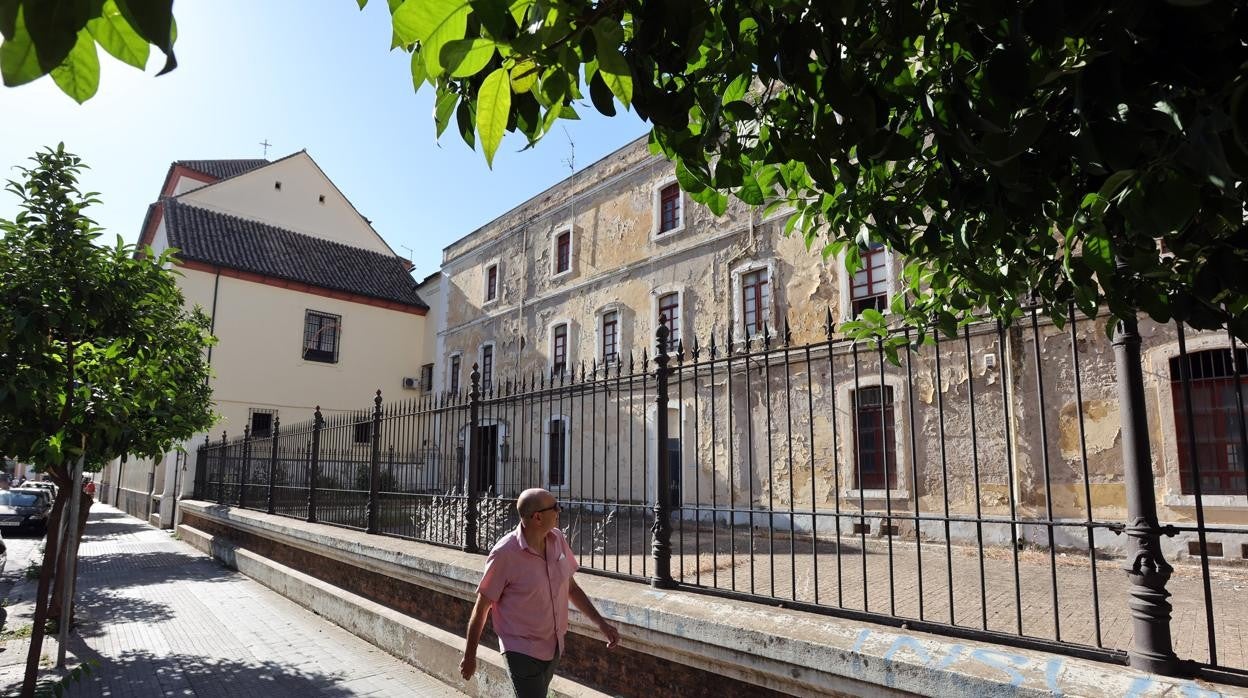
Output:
x=295 y=206
x=258 y=362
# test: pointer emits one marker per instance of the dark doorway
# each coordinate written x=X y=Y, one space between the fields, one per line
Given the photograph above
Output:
x=487 y=473
x=673 y=473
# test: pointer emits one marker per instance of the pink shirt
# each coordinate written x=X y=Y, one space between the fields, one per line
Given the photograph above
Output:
x=530 y=593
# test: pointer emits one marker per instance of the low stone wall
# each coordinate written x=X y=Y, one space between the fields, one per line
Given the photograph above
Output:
x=674 y=642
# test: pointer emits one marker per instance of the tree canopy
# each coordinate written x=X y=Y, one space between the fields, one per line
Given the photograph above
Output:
x=1082 y=153
x=95 y=345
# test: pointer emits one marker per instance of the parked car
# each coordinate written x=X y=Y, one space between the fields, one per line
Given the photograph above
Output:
x=41 y=484
x=25 y=508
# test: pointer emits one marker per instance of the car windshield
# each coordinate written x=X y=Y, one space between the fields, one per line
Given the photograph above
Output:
x=18 y=499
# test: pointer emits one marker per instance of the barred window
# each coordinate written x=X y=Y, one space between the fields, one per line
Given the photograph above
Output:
x=559 y=348
x=487 y=365
x=875 y=452
x=454 y=378
x=261 y=423
x=320 y=336
x=426 y=377
x=669 y=316
x=557 y=452
x=610 y=337
x=1214 y=432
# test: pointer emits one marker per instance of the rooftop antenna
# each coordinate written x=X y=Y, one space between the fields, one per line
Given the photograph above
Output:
x=570 y=160
x=266 y=145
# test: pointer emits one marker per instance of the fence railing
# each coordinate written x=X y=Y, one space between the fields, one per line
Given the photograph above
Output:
x=990 y=485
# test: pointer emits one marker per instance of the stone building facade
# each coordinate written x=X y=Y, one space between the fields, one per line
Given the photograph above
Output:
x=561 y=299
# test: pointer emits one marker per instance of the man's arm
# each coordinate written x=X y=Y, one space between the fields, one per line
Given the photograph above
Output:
x=476 y=624
x=578 y=598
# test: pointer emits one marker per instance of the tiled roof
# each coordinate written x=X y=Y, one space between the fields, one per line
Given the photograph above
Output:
x=259 y=248
x=221 y=169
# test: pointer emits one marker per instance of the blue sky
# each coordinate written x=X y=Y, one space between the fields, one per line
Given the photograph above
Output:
x=314 y=74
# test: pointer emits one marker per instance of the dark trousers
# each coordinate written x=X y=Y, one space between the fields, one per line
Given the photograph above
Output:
x=530 y=677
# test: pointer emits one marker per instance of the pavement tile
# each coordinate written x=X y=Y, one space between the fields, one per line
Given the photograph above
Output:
x=162 y=619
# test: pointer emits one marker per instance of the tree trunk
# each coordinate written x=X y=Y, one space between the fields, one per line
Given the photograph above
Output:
x=58 y=586
x=50 y=554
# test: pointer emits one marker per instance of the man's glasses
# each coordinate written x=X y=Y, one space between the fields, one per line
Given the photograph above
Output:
x=553 y=507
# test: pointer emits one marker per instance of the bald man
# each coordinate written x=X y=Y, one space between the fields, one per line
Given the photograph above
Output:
x=525 y=590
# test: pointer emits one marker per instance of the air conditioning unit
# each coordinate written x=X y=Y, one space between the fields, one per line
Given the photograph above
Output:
x=411 y=383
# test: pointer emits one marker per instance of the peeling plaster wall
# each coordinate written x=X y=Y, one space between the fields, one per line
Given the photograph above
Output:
x=995 y=412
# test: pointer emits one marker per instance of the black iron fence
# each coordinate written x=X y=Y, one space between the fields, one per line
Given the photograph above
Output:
x=991 y=485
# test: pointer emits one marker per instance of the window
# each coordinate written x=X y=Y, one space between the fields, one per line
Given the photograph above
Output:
x=454 y=377
x=262 y=423
x=487 y=364
x=363 y=432
x=557 y=452
x=559 y=348
x=426 y=377
x=611 y=337
x=670 y=213
x=1216 y=436
x=875 y=455
x=870 y=286
x=320 y=337
x=755 y=302
x=563 y=252
x=491 y=282
x=669 y=316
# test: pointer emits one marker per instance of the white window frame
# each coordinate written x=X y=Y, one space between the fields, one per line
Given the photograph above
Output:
x=845 y=285
x=656 y=198
x=485 y=282
x=738 y=312
x=658 y=292
x=481 y=363
x=554 y=252
x=620 y=342
x=550 y=347
x=567 y=452
x=846 y=409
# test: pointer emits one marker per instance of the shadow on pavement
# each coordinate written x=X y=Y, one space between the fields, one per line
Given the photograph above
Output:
x=98 y=607
x=140 y=674
x=134 y=569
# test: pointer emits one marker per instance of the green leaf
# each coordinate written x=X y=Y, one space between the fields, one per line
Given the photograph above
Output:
x=419 y=75
x=467 y=57
x=443 y=109
x=153 y=20
x=493 y=108
x=523 y=76
x=1098 y=253
x=433 y=23
x=118 y=38
x=79 y=75
x=19 y=63
x=612 y=66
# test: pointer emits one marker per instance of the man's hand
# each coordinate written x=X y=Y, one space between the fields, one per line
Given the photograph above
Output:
x=609 y=631
x=468 y=665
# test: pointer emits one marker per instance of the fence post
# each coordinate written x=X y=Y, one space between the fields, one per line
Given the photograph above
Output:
x=277 y=426
x=245 y=468
x=201 y=470
x=314 y=463
x=1148 y=571
x=661 y=548
x=374 y=466
x=222 y=461
x=470 y=463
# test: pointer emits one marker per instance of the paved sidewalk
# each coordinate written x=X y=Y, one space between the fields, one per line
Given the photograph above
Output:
x=160 y=619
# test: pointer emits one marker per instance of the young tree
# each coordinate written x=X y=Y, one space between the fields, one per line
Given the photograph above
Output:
x=98 y=357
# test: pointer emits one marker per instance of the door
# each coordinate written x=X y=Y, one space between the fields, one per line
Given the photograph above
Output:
x=486 y=460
